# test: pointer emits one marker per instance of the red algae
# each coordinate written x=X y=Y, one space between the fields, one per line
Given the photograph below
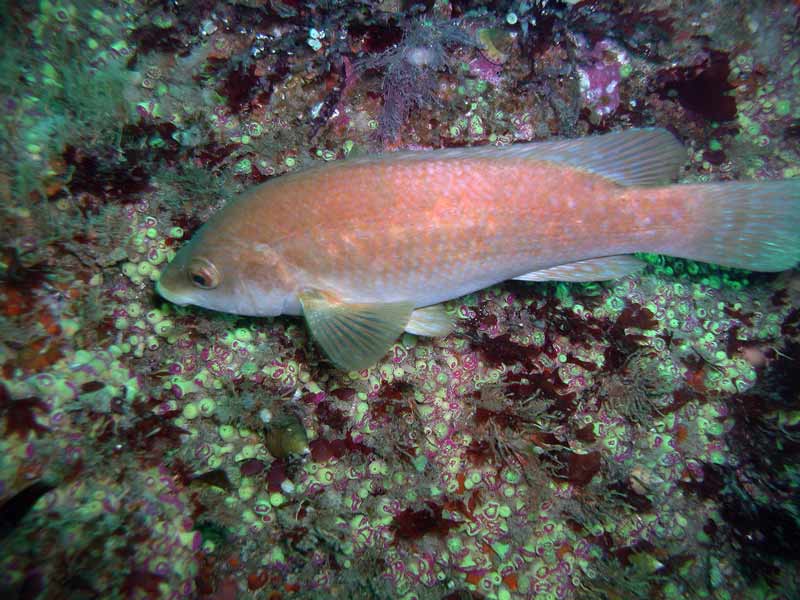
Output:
x=414 y=524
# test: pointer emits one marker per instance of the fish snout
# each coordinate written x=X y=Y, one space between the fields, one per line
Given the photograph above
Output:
x=171 y=285
x=168 y=294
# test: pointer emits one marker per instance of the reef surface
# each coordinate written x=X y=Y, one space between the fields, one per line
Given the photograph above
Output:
x=632 y=439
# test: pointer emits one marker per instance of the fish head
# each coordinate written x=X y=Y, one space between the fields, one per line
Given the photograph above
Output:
x=226 y=273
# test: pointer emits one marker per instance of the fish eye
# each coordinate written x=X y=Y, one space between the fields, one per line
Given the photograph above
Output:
x=203 y=274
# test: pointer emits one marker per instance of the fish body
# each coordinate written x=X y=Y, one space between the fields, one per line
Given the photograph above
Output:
x=356 y=246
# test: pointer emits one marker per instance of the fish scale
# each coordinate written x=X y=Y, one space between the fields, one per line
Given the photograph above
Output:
x=435 y=237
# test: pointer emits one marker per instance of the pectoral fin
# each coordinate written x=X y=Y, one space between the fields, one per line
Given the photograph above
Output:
x=593 y=269
x=354 y=336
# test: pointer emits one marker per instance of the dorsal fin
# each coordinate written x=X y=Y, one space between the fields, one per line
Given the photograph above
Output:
x=641 y=157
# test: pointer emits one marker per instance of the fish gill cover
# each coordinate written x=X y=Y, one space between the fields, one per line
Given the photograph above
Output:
x=631 y=439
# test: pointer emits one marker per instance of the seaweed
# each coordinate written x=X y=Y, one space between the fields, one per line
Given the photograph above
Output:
x=412 y=524
x=65 y=101
x=609 y=578
x=638 y=388
x=701 y=89
x=242 y=86
x=19 y=414
x=411 y=71
x=323 y=450
x=758 y=497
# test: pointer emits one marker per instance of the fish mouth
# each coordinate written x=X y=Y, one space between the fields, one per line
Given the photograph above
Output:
x=170 y=296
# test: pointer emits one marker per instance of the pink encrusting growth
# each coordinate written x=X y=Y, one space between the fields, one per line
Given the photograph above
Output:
x=356 y=246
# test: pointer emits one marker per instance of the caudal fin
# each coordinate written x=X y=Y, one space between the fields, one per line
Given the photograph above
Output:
x=754 y=225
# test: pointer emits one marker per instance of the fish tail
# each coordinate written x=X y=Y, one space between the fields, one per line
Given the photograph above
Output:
x=753 y=225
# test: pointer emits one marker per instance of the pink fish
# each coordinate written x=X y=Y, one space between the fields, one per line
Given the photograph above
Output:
x=368 y=248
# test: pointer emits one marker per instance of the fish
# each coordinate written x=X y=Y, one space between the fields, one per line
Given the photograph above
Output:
x=371 y=247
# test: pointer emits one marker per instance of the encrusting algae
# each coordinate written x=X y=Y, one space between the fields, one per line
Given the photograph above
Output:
x=368 y=248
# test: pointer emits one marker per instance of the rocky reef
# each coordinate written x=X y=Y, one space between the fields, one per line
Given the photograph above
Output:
x=631 y=439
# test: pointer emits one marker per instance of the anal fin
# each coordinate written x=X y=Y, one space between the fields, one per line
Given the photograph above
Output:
x=592 y=269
